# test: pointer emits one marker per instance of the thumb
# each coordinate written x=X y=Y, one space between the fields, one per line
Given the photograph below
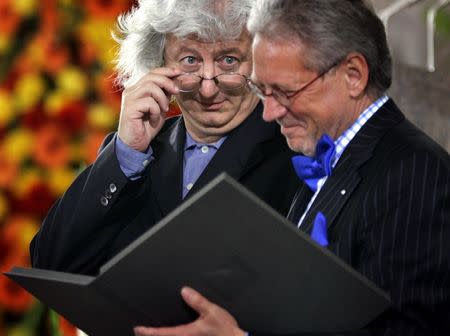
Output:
x=195 y=300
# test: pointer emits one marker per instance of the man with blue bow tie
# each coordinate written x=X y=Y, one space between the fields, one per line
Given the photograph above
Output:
x=377 y=189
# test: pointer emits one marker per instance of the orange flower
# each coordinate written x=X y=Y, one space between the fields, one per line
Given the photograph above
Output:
x=36 y=200
x=109 y=92
x=9 y=19
x=49 y=16
x=92 y=145
x=66 y=327
x=14 y=240
x=13 y=297
x=72 y=116
x=8 y=171
x=51 y=147
x=106 y=9
x=87 y=51
x=53 y=49
x=174 y=110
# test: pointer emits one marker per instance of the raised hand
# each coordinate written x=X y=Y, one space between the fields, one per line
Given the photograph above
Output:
x=144 y=106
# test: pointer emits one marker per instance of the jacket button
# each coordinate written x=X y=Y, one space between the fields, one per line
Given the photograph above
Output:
x=112 y=188
x=104 y=201
x=108 y=194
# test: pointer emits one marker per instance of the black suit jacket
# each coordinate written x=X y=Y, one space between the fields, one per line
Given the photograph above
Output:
x=387 y=205
x=80 y=233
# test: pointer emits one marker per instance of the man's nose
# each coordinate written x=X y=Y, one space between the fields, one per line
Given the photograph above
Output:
x=273 y=110
x=208 y=86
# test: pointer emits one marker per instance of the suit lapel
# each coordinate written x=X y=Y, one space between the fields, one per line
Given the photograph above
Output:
x=166 y=172
x=298 y=206
x=346 y=176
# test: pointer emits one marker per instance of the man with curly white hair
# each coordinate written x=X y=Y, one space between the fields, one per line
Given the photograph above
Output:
x=197 y=52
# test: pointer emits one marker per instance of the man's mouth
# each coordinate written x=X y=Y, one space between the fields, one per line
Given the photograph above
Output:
x=212 y=106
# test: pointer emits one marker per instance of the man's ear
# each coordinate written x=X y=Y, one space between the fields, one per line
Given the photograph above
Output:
x=356 y=74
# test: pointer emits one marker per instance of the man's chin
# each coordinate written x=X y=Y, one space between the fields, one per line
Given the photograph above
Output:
x=302 y=146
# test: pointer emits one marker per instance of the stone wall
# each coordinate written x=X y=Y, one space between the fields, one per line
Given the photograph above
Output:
x=424 y=97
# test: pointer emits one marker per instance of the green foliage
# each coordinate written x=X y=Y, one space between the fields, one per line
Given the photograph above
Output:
x=443 y=23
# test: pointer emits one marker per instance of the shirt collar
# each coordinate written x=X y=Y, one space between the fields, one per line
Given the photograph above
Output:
x=191 y=143
x=343 y=141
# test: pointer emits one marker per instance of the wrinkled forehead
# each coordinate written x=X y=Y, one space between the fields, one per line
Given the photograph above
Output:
x=175 y=45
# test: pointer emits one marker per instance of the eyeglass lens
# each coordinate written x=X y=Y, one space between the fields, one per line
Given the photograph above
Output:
x=226 y=82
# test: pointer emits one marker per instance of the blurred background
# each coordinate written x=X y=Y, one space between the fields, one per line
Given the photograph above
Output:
x=58 y=101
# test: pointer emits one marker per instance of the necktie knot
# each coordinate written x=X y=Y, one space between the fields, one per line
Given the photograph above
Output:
x=312 y=169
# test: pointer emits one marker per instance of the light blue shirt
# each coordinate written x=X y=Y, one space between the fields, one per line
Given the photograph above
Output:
x=342 y=142
x=195 y=159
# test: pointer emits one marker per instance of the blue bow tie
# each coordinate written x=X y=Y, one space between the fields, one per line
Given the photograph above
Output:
x=312 y=169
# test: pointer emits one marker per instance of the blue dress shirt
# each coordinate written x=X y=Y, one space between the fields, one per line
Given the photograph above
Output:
x=196 y=158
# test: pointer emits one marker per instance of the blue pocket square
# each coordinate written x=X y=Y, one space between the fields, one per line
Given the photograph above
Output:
x=319 y=231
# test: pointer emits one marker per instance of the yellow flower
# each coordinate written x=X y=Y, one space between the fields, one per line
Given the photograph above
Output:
x=28 y=229
x=6 y=108
x=25 y=7
x=20 y=330
x=18 y=144
x=59 y=179
x=101 y=116
x=25 y=181
x=55 y=101
x=72 y=82
x=3 y=206
x=98 y=33
x=5 y=42
x=29 y=90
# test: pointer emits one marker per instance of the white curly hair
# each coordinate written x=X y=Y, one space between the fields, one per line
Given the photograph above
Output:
x=141 y=32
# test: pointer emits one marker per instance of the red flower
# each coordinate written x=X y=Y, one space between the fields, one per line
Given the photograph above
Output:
x=14 y=252
x=51 y=147
x=106 y=8
x=66 y=327
x=174 y=110
x=8 y=171
x=109 y=91
x=92 y=145
x=72 y=116
x=34 y=118
x=9 y=19
x=37 y=200
x=55 y=50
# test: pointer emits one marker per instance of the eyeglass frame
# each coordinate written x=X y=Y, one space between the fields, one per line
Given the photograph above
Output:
x=282 y=97
x=214 y=78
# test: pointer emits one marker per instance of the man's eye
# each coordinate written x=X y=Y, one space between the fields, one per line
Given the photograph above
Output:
x=189 y=60
x=229 y=60
x=290 y=94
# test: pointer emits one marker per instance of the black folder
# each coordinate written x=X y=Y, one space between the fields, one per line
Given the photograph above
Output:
x=235 y=250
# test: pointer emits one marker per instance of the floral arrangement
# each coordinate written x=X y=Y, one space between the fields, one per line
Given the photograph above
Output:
x=57 y=102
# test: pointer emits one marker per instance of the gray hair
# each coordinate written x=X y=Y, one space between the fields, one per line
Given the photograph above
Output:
x=330 y=30
x=142 y=32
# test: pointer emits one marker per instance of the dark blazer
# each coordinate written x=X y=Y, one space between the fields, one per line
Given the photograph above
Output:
x=387 y=205
x=84 y=228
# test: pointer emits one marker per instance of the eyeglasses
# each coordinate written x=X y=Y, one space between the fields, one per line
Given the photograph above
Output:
x=228 y=82
x=285 y=99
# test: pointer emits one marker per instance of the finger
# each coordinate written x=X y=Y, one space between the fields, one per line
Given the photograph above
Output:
x=181 y=330
x=149 y=107
x=196 y=301
x=167 y=71
x=148 y=89
x=161 y=77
